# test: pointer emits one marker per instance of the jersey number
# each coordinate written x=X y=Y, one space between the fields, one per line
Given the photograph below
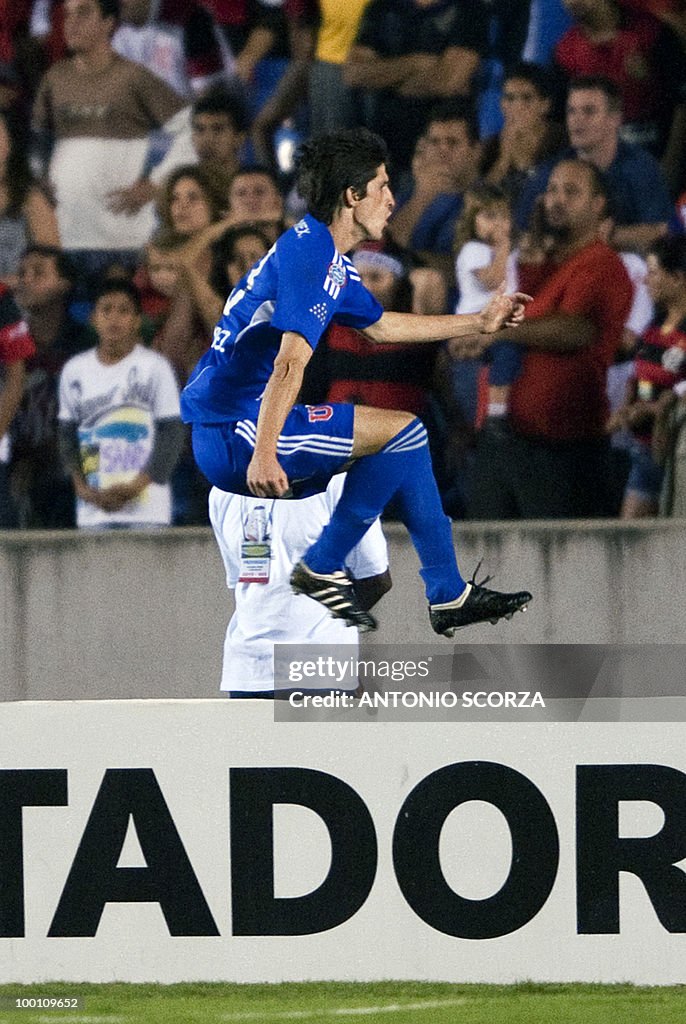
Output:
x=220 y=338
x=221 y=335
x=319 y=413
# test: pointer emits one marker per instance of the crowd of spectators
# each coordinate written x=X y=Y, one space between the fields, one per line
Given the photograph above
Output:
x=146 y=163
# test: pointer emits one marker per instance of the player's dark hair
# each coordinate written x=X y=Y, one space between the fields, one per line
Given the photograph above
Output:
x=64 y=266
x=219 y=100
x=599 y=83
x=329 y=164
x=459 y=108
x=670 y=253
x=118 y=286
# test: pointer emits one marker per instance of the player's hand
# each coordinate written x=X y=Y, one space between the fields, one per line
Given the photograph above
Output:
x=504 y=311
x=265 y=477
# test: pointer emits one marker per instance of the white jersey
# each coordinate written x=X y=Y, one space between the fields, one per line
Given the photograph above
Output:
x=473 y=256
x=115 y=409
x=270 y=613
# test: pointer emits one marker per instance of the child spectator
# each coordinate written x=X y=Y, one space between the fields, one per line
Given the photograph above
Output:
x=157 y=280
x=659 y=365
x=483 y=243
x=120 y=431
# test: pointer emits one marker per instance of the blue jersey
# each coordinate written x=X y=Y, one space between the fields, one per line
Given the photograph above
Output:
x=301 y=284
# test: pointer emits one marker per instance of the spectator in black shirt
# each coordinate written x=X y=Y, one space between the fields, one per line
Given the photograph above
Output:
x=43 y=492
x=409 y=54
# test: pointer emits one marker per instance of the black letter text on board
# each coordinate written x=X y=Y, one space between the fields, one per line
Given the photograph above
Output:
x=29 y=787
x=95 y=880
x=602 y=854
x=535 y=850
x=256 y=911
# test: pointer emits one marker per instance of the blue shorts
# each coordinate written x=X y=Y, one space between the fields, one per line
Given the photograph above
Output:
x=316 y=442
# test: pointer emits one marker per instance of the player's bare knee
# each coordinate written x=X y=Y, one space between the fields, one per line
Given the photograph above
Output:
x=374 y=428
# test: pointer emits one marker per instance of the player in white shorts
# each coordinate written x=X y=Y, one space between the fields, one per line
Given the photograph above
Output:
x=260 y=540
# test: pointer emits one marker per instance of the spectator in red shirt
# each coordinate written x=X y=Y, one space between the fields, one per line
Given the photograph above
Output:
x=659 y=365
x=385 y=376
x=16 y=346
x=554 y=461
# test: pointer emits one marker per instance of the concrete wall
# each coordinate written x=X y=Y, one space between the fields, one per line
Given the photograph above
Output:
x=143 y=614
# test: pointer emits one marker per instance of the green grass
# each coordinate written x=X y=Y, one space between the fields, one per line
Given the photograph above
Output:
x=317 y=1003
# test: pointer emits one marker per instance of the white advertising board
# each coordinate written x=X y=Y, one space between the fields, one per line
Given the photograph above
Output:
x=178 y=840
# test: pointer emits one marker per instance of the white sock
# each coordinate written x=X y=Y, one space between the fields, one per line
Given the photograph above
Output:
x=497 y=409
x=458 y=602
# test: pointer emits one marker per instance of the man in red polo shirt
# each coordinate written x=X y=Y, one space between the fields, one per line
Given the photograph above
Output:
x=553 y=462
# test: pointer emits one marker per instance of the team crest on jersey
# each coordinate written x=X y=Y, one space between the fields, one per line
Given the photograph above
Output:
x=336 y=277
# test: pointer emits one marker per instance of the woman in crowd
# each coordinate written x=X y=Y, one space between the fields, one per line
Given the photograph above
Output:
x=190 y=201
x=191 y=207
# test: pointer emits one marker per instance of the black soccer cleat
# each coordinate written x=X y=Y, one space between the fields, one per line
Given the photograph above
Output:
x=480 y=605
x=336 y=592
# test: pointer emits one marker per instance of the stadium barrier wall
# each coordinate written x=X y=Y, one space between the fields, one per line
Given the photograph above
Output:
x=143 y=614
x=201 y=840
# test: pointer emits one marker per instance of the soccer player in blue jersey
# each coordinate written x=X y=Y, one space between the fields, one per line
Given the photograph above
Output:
x=250 y=437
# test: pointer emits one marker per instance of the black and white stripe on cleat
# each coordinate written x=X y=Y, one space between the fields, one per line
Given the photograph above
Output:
x=336 y=592
x=476 y=604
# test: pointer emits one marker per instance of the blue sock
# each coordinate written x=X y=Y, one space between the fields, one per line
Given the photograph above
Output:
x=402 y=469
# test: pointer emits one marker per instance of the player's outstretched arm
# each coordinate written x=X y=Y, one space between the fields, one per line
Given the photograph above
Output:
x=503 y=310
x=265 y=477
